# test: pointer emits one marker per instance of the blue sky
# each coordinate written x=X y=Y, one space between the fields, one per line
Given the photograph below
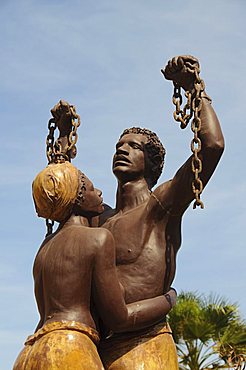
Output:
x=105 y=58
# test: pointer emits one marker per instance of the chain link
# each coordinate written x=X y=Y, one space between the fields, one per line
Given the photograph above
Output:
x=52 y=125
x=53 y=148
x=54 y=151
x=73 y=136
x=181 y=115
x=49 y=226
x=192 y=108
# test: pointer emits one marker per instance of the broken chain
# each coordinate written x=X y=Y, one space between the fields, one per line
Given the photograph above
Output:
x=192 y=108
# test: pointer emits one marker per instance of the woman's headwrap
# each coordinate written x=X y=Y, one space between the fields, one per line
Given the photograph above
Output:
x=55 y=190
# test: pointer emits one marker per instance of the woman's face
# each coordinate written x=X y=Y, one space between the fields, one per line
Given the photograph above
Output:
x=92 y=203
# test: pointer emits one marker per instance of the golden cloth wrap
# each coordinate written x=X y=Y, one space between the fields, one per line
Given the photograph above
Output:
x=148 y=349
x=54 y=190
x=63 y=345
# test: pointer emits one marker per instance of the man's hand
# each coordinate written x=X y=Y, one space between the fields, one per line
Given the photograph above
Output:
x=180 y=70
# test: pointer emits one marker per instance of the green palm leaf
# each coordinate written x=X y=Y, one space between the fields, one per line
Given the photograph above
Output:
x=208 y=332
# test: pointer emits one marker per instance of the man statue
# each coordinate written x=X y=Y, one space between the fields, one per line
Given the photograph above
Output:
x=146 y=225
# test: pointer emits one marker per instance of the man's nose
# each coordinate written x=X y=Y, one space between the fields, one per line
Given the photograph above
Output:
x=123 y=149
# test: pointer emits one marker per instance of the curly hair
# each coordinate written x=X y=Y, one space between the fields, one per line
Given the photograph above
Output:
x=155 y=153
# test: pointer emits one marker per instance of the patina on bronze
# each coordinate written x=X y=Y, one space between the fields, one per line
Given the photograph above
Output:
x=146 y=224
x=74 y=270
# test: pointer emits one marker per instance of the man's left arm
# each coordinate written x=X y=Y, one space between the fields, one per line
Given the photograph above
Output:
x=178 y=192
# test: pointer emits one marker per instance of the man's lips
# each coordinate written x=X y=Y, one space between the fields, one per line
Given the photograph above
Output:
x=122 y=159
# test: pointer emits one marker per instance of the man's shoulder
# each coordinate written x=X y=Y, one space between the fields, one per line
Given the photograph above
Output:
x=163 y=199
x=108 y=212
x=162 y=194
x=164 y=187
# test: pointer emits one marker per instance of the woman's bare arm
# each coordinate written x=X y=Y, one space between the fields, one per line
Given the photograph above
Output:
x=109 y=298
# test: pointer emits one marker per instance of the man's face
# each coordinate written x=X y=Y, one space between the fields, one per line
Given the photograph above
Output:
x=93 y=201
x=129 y=158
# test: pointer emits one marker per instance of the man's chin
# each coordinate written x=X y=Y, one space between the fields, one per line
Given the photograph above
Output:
x=124 y=174
x=120 y=172
x=121 y=168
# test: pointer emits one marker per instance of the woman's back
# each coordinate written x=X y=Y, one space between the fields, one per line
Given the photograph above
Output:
x=63 y=274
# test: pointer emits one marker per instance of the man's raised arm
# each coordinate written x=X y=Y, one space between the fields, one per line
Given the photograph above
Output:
x=178 y=193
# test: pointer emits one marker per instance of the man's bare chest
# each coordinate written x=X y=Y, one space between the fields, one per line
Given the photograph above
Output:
x=136 y=237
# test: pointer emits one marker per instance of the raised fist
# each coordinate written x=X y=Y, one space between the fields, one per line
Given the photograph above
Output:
x=180 y=70
x=62 y=112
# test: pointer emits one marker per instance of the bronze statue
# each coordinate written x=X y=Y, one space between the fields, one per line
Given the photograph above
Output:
x=146 y=224
x=76 y=281
x=75 y=270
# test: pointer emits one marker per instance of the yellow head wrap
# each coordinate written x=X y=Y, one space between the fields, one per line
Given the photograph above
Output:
x=55 y=190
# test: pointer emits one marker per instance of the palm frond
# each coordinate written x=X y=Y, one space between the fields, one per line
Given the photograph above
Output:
x=208 y=332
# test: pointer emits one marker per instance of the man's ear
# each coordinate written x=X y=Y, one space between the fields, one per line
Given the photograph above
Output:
x=156 y=160
x=151 y=167
x=154 y=163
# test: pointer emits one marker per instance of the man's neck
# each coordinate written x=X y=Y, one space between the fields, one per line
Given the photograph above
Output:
x=131 y=194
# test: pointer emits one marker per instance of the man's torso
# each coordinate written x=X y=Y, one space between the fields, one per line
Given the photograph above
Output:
x=145 y=250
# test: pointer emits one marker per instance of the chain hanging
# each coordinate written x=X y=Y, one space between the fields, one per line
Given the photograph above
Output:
x=192 y=108
x=54 y=151
x=50 y=153
x=49 y=226
x=73 y=136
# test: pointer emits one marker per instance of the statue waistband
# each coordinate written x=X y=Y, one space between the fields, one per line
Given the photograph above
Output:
x=64 y=325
